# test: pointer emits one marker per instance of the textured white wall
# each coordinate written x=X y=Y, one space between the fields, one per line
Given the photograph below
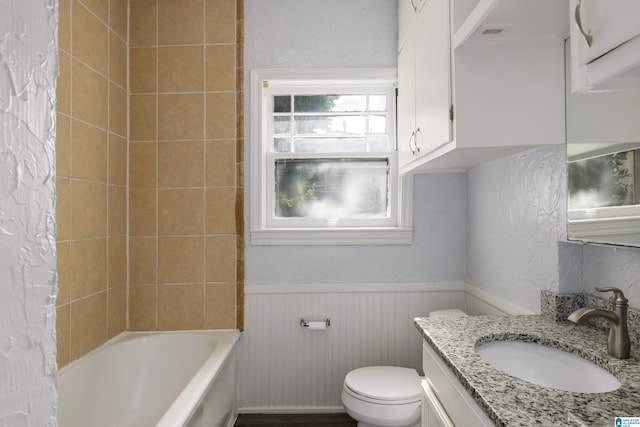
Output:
x=28 y=68
x=612 y=266
x=516 y=215
x=585 y=267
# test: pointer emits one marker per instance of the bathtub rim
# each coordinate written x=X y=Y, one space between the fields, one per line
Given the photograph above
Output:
x=182 y=408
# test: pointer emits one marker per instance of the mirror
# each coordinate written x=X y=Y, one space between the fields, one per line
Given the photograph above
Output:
x=603 y=164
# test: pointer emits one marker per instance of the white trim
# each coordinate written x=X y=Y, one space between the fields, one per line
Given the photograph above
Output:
x=336 y=288
x=335 y=74
x=292 y=410
x=332 y=236
x=578 y=228
x=260 y=233
x=496 y=302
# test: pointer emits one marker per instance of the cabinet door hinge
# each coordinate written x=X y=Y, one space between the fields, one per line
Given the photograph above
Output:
x=451 y=113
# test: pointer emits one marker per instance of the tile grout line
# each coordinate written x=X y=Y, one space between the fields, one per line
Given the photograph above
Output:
x=204 y=166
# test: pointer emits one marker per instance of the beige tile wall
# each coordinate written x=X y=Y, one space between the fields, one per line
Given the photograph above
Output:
x=185 y=186
x=91 y=174
x=185 y=168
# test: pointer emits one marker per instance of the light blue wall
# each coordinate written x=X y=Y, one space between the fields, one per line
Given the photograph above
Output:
x=437 y=253
x=516 y=206
x=349 y=34
x=320 y=33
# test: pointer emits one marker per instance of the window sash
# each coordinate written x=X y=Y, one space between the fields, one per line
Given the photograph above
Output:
x=282 y=88
x=389 y=220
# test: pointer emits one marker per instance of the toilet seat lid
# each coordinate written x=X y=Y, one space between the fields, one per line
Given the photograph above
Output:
x=389 y=383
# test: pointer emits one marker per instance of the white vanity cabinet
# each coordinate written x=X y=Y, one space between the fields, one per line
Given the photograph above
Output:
x=492 y=82
x=445 y=402
x=433 y=414
x=605 y=44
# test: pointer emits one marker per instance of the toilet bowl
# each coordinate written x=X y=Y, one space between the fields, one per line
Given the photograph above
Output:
x=383 y=396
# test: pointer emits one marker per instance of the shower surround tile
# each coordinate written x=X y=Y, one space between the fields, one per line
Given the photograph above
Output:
x=185 y=193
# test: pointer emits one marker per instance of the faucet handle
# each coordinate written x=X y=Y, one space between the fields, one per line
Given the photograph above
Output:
x=617 y=297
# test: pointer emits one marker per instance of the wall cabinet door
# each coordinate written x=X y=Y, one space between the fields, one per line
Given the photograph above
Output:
x=406 y=102
x=407 y=12
x=607 y=24
x=433 y=77
x=605 y=45
x=424 y=84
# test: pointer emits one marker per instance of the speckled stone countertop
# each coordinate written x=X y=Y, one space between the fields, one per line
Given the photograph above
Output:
x=509 y=401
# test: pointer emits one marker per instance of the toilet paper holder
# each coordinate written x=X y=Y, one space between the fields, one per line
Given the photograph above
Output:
x=305 y=323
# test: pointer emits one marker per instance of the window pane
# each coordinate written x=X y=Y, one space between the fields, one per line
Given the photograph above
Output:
x=282 y=104
x=318 y=125
x=330 y=188
x=378 y=103
x=602 y=181
x=377 y=124
x=330 y=103
x=345 y=103
x=282 y=145
x=379 y=144
x=330 y=145
x=281 y=124
x=312 y=103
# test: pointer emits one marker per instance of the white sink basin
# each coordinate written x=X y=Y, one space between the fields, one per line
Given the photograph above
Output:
x=546 y=366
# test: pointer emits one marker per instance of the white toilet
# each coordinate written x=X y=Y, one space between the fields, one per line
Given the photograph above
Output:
x=386 y=396
x=380 y=396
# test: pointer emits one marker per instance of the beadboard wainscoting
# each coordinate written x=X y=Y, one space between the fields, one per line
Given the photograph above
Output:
x=287 y=368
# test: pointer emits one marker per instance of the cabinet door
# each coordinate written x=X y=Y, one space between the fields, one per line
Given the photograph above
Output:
x=598 y=118
x=608 y=23
x=433 y=76
x=407 y=12
x=433 y=414
x=406 y=103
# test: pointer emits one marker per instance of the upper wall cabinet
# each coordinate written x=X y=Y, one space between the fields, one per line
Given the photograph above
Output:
x=424 y=81
x=505 y=85
x=605 y=44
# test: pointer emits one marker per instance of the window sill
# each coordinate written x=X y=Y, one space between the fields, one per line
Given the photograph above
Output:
x=332 y=236
x=603 y=226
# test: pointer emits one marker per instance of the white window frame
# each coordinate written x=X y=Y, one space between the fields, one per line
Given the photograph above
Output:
x=597 y=223
x=264 y=233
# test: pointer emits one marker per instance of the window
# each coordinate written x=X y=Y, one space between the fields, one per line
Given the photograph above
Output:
x=324 y=159
x=603 y=192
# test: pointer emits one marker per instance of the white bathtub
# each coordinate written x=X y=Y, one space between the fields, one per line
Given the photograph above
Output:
x=161 y=379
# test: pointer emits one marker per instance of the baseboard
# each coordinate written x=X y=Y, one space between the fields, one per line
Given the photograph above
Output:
x=501 y=305
x=293 y=410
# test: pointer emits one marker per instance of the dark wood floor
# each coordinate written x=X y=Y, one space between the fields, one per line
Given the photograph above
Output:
x=306 y=420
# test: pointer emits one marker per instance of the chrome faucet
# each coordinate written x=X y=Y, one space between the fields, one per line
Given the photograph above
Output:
x=618 y=343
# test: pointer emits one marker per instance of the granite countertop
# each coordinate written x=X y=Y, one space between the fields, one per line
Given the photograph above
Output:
x=509 y=401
